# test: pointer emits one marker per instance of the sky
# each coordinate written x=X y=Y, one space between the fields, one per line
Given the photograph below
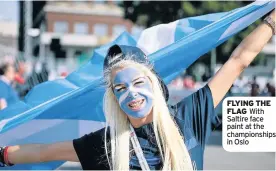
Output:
x=9 y=10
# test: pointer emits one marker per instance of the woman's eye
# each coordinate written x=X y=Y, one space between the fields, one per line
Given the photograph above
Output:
x=121 y=89
x=139 y=82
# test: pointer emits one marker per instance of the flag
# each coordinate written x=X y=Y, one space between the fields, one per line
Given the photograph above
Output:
x=65 y=109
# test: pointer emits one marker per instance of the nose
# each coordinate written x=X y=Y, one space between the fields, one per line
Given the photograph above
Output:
x=133 y=94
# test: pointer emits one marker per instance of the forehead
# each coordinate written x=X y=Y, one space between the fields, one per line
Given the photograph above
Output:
x=126 y=74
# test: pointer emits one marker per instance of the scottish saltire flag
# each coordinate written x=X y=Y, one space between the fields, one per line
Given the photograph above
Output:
x=65 y=109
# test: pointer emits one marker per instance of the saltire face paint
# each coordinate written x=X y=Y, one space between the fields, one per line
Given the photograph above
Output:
x=134 y=92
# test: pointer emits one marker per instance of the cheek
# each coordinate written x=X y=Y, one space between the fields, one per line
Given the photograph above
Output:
x=117 y=96
x=121 y=100
x=149 y=85
x=147 y=90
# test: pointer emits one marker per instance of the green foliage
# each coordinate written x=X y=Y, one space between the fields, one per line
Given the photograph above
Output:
x=153 y=12
x=189 y=9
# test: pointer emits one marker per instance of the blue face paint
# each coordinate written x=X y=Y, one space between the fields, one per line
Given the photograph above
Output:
x=133 y=92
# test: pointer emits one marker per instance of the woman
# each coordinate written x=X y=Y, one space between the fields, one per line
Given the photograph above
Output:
x=141 y=131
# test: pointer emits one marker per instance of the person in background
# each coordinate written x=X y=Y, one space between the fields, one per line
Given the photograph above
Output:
x=269 y=90
x=255 y=88
x=189 y=82
x=8 y=95
x=240 y=82
x=206 y=76
x=20 y=78
x=19 y=75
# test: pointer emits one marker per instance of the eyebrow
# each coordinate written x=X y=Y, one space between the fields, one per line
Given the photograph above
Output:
x=121 y=84
x=138 y=78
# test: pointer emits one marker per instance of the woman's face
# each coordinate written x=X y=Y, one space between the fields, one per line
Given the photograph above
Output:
x=133 y=91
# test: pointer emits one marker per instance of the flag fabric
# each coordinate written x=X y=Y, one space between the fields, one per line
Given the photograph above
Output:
x=68 y=108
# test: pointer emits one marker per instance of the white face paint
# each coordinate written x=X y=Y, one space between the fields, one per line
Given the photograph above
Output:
x=133 y=92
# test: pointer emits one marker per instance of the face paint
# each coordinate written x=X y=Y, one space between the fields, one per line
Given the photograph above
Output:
x=133 y=92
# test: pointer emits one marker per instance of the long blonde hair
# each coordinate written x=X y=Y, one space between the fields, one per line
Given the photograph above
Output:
x=174 y=153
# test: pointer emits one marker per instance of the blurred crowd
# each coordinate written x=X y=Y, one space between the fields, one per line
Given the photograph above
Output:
x=17 y=78
x=241 y=87
x=253 y=87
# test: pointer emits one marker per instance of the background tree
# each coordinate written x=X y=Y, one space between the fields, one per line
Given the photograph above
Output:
x=150 y=13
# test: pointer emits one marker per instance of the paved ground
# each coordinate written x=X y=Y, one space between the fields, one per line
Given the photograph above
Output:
x=216 y=158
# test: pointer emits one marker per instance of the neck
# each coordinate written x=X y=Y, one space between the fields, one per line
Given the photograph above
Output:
x=137 y=123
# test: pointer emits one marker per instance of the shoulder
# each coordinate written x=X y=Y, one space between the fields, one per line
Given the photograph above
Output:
x=98 y=133
x=92 y=138
x=199 y=98
x=195 y=106
x=90 y=150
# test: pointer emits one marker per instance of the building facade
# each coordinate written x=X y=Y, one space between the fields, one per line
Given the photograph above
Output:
x=81 y=27
x=8 y=38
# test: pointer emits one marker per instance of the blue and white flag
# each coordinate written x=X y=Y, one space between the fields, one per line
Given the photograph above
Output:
x=65 y=109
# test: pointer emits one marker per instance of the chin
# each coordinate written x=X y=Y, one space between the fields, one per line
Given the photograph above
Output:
x=140 y=117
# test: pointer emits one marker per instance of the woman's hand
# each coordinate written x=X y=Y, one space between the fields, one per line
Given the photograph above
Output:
x=241 y=58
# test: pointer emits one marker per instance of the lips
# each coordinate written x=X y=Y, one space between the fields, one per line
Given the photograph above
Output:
x=136 y=104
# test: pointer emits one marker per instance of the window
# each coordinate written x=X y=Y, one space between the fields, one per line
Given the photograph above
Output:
x=81 y=28
x=118 y=29
x=100 y=29
x=61 y=27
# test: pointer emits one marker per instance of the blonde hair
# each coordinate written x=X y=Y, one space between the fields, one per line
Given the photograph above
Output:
x=174 y=153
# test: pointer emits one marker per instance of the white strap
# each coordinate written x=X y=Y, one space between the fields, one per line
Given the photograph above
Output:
x=138 y=150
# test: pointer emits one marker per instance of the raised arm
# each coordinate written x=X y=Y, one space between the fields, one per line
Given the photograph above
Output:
x=36 y=153
x=242 y=56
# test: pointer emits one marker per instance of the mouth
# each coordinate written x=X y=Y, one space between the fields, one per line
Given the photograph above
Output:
x=136 y=104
